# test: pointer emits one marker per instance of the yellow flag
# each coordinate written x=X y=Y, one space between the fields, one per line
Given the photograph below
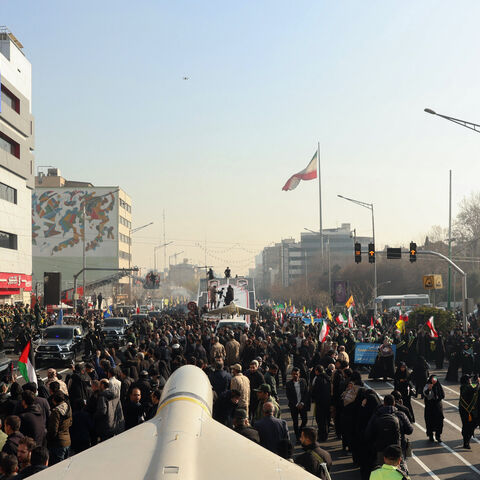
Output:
x=401 y=325
x=329 y=314
x=350 y=302
x=312 y=320
x=290 y=303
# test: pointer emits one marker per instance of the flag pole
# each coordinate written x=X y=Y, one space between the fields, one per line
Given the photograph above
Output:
x=320 y=197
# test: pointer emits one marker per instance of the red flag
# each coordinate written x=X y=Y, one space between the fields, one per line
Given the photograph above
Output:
x=371 y=322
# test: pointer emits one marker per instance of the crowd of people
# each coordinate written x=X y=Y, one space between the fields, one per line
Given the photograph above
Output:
x=118 y=387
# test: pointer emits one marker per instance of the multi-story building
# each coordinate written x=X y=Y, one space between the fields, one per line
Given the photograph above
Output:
x=16 y=171
x=184 y=274
x=60 y=210
x=289 y=262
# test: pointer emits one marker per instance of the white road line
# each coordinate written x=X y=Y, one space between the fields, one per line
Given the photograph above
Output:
x=456 y=427
x=451 y=389
x=444 y=401
x=414 y=457
x=444 y=445
x=61 y=371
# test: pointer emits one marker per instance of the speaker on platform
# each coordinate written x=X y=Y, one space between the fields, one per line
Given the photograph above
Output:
x=51 y=288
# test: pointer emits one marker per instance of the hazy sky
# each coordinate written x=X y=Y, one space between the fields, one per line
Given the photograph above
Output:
x=267 y=80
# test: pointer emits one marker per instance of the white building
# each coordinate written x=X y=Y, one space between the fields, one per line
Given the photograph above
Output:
x=16 y=171
x=59 y=209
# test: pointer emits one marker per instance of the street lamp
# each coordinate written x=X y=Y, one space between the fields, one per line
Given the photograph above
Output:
x=132 y=231
x=464 y=123
x=163 y=245
x=369 y=206
x=174 y=255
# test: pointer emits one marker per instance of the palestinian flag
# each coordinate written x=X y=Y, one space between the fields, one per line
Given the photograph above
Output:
x=431 y=326
x=26 y=364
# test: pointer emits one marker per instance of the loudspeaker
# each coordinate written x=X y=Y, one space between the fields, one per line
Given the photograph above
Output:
x=51 y=288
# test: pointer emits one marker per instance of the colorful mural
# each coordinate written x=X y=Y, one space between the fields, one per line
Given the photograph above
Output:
x=57 y=221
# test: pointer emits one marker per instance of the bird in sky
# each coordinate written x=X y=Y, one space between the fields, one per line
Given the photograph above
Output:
x=186 y=78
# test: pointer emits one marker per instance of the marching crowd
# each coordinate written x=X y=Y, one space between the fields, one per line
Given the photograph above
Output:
x=118 y=387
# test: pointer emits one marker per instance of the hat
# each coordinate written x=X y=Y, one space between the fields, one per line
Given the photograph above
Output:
x=129 y=344
x=264 y=387
x=144 y=374
x=254 y=362
x=236 y=366
x=240 y=414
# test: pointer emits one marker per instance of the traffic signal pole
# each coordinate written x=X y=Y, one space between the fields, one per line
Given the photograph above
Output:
x=457 y=269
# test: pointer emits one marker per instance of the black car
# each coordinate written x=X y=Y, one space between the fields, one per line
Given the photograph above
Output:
x=59 y=342
x=114 y=329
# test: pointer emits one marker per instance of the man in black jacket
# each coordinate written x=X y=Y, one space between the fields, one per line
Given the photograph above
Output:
x=32 y=422
x=134 y=409
x=12 y=429
x=38 y=463
x=242 y=426
x=315 y=459
x=387 y=426
x=321 y=396
x=298 y=400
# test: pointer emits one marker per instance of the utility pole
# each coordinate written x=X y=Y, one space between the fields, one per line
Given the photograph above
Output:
x=165 y=245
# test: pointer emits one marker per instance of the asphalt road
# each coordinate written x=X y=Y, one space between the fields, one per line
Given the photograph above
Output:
x=432 y=460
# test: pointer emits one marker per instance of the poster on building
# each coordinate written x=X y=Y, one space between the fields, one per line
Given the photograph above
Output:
x=58 y=222
x=340 y=292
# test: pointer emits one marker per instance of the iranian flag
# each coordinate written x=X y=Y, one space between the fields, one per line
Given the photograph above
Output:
x=350 y=318
x=431 y=326
x=26 y=364
x=340 y=319
x=308 y=173
x=324 y=331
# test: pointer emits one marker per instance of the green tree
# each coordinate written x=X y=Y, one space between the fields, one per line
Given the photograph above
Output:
x=444 y=321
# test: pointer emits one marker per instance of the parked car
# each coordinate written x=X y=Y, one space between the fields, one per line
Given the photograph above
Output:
x=60 y=343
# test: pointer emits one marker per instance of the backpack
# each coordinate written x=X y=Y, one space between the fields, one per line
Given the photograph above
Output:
x=388 y=432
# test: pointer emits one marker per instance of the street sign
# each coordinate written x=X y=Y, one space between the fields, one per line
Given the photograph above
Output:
x=394 y=253
x=432 y=282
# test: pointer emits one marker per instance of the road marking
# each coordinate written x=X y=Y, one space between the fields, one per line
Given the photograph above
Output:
x=444 y=401
x=451 y=389
x=424 y=467
x=445 y=419
x=444 y=445
x=61 y=371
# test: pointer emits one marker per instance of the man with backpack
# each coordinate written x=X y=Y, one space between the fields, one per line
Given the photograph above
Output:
x=388 y=426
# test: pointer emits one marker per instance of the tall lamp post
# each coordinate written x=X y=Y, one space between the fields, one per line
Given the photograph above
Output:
x=476 y=128
x=132 y=231
x=369 y=206
x=158 y=247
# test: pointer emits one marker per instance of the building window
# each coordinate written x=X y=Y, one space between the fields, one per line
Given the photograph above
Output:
x=9 y=145
x=125 y=206
x=10 y=99
x=124 y=255
x=124 y=238
x=125 y=222
x=8 y=240
x=8 y=193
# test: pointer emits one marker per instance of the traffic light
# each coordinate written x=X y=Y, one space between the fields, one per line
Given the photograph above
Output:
x=358 y=253
x=413 y=252
x=371 y=253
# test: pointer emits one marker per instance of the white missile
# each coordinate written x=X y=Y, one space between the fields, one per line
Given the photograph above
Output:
x=181 y=442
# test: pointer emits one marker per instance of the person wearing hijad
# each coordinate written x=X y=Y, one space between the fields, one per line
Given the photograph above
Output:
x=468 y=408
x=433 y=395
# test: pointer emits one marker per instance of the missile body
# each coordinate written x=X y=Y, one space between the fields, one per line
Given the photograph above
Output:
x=181 y=442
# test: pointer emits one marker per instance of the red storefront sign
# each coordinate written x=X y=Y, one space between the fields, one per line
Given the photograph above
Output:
x=12 y=283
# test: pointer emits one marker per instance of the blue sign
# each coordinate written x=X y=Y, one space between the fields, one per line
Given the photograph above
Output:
x=366 y=353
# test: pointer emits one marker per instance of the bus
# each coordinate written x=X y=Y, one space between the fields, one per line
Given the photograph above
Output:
x=392 y=303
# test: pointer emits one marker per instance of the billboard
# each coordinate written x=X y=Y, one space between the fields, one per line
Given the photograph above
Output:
x=57 y=222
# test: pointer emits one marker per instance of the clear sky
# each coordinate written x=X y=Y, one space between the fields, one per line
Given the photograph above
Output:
x=267 y=80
